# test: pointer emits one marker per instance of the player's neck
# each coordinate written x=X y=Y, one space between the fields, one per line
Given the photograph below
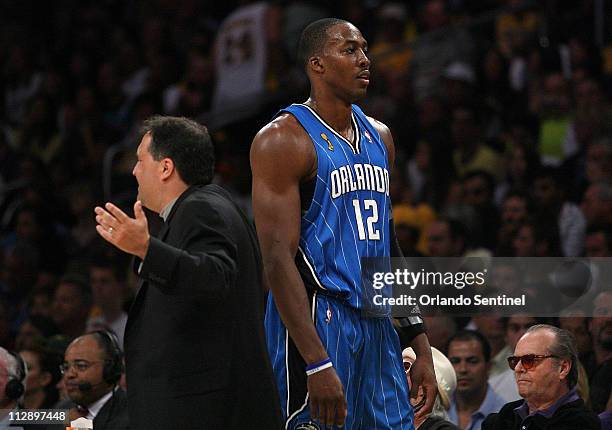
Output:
x=334 y=111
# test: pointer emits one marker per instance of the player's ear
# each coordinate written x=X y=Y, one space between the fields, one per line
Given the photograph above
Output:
x=315 y=64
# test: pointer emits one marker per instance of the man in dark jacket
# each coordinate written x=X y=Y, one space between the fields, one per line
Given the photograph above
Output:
x=194 y=342
x=545 y=368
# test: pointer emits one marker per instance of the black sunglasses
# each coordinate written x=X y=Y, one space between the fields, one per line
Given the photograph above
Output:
x=529 y=361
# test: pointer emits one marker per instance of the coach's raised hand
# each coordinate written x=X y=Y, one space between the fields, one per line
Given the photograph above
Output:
x=327 y=400
x=130 y=235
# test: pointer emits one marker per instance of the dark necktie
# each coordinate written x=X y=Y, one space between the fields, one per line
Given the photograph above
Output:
x=82 y=411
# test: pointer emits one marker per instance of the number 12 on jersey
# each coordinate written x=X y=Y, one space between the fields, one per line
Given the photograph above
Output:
x=370 y=209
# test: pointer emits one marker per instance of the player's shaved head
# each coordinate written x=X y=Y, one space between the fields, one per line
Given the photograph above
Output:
x=314 y=37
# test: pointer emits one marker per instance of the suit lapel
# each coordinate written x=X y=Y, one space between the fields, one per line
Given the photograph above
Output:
x=178 y=202
x=111 y=409
x=164 y=231
x=101 y=417
x=161 y=235
x=141 y=285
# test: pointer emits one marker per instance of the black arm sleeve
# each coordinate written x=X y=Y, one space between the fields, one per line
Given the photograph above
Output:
x=407 y=327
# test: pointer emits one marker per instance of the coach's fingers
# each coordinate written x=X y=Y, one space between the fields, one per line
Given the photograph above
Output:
x=138 y=211
x=104 y=218
x=116 y=212
x=106 y=235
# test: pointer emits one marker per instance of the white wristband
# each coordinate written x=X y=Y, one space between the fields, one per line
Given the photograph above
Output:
x=320 y=368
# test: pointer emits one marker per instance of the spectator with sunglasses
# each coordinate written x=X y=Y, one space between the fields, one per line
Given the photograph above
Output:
x=545 y=364
x=503 y=381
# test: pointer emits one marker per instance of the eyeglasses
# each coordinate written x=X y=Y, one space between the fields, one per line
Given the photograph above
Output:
x=529 y=361
x=79 y=365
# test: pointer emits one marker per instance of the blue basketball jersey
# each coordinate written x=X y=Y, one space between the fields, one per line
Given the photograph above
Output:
x=348 y=218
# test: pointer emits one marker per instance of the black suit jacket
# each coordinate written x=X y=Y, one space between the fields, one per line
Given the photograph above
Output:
x=114 y=413
x=194 y=343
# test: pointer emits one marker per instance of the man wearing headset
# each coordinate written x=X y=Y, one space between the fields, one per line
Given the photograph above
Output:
x=92 y=367
x=12 y=380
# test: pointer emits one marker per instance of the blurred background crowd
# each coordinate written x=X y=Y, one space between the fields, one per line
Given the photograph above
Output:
x=500 y=110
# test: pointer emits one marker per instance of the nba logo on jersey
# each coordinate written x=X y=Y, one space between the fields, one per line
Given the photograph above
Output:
x=367 y=135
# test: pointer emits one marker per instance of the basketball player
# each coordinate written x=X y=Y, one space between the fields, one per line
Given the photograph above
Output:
x=321 y=204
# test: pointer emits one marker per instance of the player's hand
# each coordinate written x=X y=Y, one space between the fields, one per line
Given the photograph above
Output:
x=131 y=235
x=424 y=386
x=327 y=400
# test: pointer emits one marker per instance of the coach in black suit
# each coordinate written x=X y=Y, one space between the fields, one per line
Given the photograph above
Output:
x=194 y=342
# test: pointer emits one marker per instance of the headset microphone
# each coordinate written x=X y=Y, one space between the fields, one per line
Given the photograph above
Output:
x=113 y=365
x=88 y=386
x=85 y=386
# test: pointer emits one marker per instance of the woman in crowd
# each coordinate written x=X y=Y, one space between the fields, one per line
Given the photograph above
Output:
x=43 y=375
x=447 y=382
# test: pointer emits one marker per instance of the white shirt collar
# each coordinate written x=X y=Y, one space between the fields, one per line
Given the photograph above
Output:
x=166 y=210
x=95 y=407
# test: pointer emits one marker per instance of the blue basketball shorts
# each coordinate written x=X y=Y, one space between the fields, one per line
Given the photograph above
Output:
x=366 y=356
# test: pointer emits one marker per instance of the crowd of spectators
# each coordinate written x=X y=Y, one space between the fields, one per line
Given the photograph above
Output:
x=501 y=111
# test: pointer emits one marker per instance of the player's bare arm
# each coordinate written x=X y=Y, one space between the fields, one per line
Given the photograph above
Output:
x=279 y=161
x=422 y=371
x=281 y=158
